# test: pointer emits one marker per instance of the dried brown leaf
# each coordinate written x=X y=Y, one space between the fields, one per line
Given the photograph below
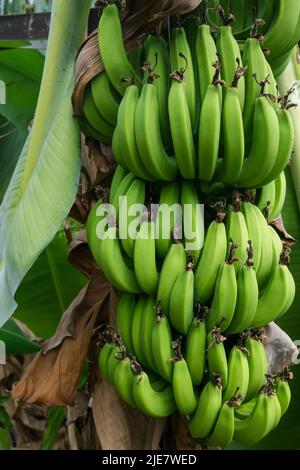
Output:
x=183 y=439
x=155 y=431
x=52 y=376
x=80 y=255
x=79 y=409
x=111 y=422
x=121 y=427
x=30 y=420
x=280 y=228
x=97 y=161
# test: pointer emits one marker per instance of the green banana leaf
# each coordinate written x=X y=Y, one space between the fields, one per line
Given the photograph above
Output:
x=21 y=71
x=44 y=184
x=15 y=341
x=56 y=417
x=48 y=288
x=11 y=143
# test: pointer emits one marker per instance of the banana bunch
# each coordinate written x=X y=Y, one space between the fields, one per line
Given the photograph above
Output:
x=279 y=22
x=222 y=118
x=206 y=107
x=195 y=117
x=237 y=399
x=130 y=241
x=240 y=254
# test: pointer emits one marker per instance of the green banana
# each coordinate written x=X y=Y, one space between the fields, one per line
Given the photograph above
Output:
x=105 y=98
x=146 y=328
x=286 y=141
x=113 y=263
x=280 y=64
x=266 y=261
x=124 y=317
x=137 y=320
x=149 y=138
x=91 y=230
x=202 y=421
x=159 y=384
x=216 y=355
x=238 y=374
x=278 y=295
x=117 y=178
x=162 y=346
x=182 y=300
x=181 y=127
x=254 y=232
x=193 y=220
x=212 y=256
x=123 y=378
x=272 y=196
x=95 y=119
x=183 y=387
x=112 y=49
x=264 y=146
x=90 y=226
x=103 y=358
x=258 y=424
x=277 y=409
x=90 y=131
x=195 y=352
x=246 y=408
x=266 y=11
x=135 y=196
x=117 y=150
x=223 y=305
x=210 y=128
x=283 y=394
x=282 y=28
x=206 y=53
x=280 y=193
x=145 y=259
x=265 y=197
x=122 y=189
x=290 y=44
x=167 y=217
x=237 y=232
x=112 y=362
x=247 y=296
x=258 y=366
x=174 y=264
x=230 y=55
x=151 y=402
x=157 y=55
x=256 y=63
x=223 y=431
x=230 y=166
x=181 y=59
x=126 y=134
